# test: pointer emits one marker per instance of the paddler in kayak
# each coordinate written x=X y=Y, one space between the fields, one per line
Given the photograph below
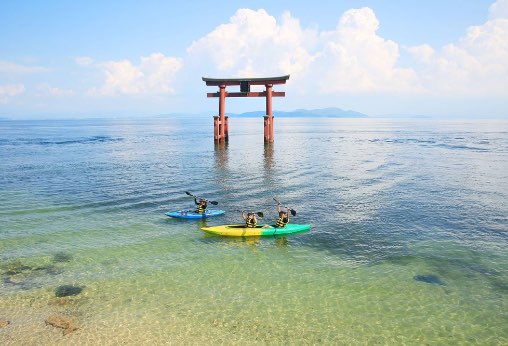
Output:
x=250 y=219
x=200 y=206
x=283 y=219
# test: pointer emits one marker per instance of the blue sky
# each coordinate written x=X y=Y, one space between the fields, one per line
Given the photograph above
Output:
x=141 y=58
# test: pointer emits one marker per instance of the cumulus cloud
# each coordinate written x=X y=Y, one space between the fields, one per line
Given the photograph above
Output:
x=154 y=74
x=351 y=58
x=354 y=58
x=10 y=90
x=423 y=53
x=254 y=44
x=475 y=65
x=499 y=9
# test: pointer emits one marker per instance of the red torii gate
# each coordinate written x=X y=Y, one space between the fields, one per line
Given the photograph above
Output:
x=220 y=122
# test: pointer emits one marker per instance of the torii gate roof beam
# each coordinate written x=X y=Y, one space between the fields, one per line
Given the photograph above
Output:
x=251 y=81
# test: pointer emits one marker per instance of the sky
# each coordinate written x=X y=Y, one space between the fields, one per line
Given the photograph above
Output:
x=78 y=59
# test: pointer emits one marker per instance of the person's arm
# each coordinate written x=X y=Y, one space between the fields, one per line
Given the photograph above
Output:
x=278 y=208
x=196 y=200
x=287 y=213
x=243 y=215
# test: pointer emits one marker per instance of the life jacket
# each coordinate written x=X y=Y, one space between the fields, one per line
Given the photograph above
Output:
x=281 y=222
x=200 y=209
x=251 y=223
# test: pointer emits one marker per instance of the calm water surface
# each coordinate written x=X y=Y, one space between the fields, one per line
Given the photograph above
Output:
x=408 y=243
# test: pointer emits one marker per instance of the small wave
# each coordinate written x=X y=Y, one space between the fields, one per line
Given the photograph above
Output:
x=86 y=140
x=462 y=147
x=40 y=141
x=431 y=142
x=408 y=140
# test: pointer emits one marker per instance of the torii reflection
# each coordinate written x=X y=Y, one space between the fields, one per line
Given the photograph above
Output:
x=221 y=162
x=268 y=157
x=268 y=164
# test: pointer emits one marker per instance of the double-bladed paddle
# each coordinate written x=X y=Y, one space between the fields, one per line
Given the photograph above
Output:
x=293 y=212
x=190 y=194
x=259 y=213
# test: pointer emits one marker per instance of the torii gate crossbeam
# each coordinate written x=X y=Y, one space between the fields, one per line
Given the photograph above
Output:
x=221 y=130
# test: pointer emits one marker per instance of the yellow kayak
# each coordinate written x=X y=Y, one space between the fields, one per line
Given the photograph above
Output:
x=261 y=230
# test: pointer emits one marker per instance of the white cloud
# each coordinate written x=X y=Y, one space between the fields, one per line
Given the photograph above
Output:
x=83 y=60
x=423 y=53
x=351 y=58
x=355 y=59
x=476 y=65
x=499 y=9
x=254 y=44
x=10 y=90
x=54 y=91
x=12 y=68
x=154 y=74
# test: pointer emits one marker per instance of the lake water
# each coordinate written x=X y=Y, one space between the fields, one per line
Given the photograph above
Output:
x=408 y=245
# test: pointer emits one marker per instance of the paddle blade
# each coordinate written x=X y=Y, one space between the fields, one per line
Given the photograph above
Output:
x=188 y=193
x=214 y=202
x=260 y=214
x=293 y=212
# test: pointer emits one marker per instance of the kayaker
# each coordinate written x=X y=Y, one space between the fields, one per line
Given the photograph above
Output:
x=201 y=205
x=283 y=219
x=250 y=219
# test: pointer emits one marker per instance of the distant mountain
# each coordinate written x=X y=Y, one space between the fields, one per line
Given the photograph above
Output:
x=308 y=113
x=404 y=116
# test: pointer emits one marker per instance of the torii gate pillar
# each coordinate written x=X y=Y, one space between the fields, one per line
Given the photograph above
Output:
x=220 y=123
x=268 y=123
x=221 y=130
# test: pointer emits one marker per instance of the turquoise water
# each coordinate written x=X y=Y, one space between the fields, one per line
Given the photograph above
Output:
x=408 y=243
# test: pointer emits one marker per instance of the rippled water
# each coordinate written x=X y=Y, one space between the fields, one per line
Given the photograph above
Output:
x=408 y=241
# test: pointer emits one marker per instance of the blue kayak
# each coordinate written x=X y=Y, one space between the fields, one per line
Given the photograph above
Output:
x=191 y=214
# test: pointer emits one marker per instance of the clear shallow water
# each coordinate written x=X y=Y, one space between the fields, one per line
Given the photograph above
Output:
x=392 y=204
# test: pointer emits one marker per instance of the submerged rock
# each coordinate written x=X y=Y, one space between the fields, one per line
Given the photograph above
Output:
x=45 y=267
x=430 y=279
x=25 y=277
x=9 y=280
x=60 y=322
x=49 y=269
x=17 y=270
x=62 y=257
x=17 y=280
x=62 y=301
x=500 y=285
x=68 y=290
x=22 y=283
x=4 y=323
